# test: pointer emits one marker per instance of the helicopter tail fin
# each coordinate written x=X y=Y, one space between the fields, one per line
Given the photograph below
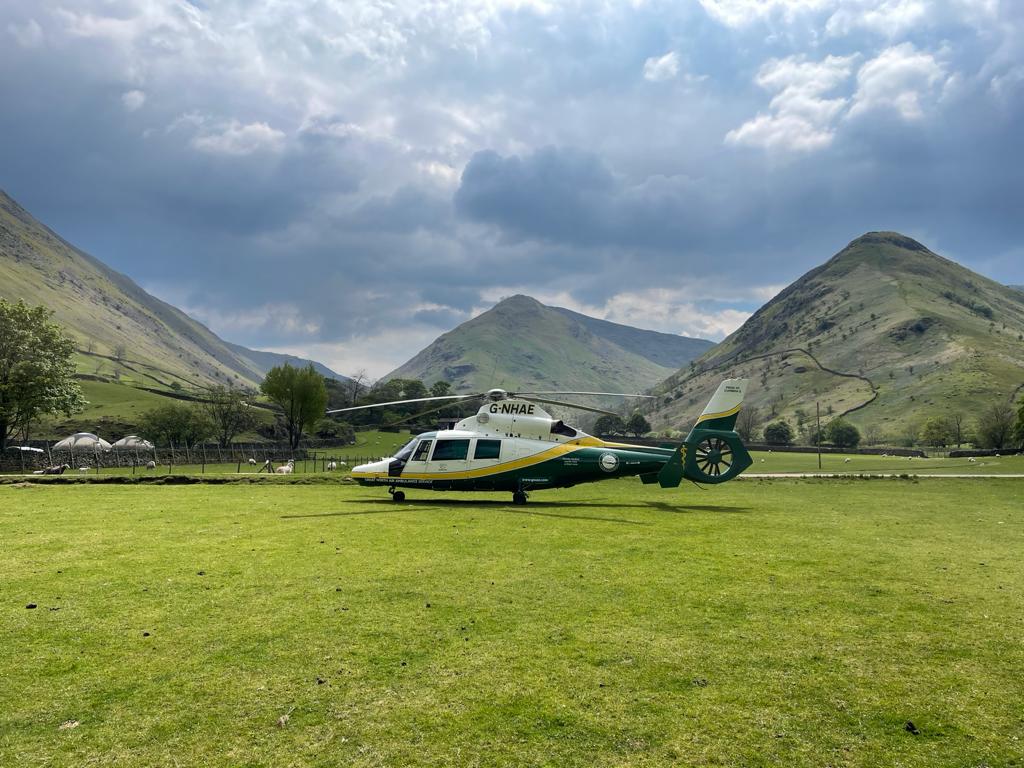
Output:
x=713 y=452
x=724 y=406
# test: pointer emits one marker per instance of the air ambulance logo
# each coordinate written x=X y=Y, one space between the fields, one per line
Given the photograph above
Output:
x=609 y=462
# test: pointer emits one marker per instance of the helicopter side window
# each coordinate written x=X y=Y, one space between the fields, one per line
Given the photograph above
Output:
x=422 y=450
x=487 y=449
x=451 y=450
x=560 y=428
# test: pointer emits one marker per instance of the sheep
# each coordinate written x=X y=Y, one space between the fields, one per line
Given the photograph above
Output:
x=286 y=469
x=150 y=464
x=972 y=460
x=83 y=470
x=252 y=462
x=846 y=460
x=331 y=466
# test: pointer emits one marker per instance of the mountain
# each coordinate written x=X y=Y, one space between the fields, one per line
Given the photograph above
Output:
x=886 y=331
x=521 y=343
x=123 y=333
x=264 y=361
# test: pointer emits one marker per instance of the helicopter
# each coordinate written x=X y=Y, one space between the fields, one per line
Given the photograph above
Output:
x=513 y=445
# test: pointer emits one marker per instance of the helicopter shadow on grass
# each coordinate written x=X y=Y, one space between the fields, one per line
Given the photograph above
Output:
x=534 y=508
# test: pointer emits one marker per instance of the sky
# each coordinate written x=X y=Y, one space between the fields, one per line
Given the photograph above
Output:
x=348 y=179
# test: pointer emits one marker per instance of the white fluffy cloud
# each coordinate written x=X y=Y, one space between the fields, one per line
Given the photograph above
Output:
x=901 y=79
x=802 y=115
x=133 y=100
x=658 y=68
x=236 y=138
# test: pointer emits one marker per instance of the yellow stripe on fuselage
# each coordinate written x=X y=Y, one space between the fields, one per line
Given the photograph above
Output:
x=509 y=466
x=722 y=415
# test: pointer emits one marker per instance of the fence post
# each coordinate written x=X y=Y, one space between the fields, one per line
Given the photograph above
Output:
x=203 y=446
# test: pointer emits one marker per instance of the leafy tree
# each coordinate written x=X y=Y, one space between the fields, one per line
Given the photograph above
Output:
x=36 y=371
x=995 y=425
x=778 y=433
x=179 y=424
x=937 y=431
x=1018 y=429
x=609 y=425
x=300 y=393
x=638 y=425
x=329 y=429
x=230 y=412
x=748 y=422
x=842 y=433
x=440 y=389
x=959 y=428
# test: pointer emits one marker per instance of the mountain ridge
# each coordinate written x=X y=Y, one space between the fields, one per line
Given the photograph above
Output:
x=914 y=332
x=114 y=320
x=520 y=343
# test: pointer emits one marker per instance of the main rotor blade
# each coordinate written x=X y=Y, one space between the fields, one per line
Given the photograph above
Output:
x=403 y=402
x=595 y=394
x=421 y=413
x=590 y=408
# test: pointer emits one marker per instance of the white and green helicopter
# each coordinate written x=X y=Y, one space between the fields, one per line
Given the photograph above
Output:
x=512 y=444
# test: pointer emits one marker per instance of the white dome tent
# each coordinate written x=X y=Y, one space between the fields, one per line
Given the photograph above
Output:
x=132 y=443
x=82 y=445
x=83 y=442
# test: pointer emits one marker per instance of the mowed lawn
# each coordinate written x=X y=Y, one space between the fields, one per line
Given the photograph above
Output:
x=771 y=622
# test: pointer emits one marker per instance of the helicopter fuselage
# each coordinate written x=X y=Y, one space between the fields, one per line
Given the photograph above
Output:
x=512 y=445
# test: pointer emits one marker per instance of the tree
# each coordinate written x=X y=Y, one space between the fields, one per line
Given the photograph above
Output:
x=873 y=434
x=178 y=424
x=937 y=431
x=957 y=421
x=1018 y=430
x=748 y=422
x=638 y=425
x=995 y=425
x=300 y=393
x=230 y=413
x=36 y=370
x=609 y=425
x=842 y=433
x=778 y=433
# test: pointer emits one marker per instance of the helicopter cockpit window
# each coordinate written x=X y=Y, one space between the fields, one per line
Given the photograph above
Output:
x=406 y=451
x=422 y=450
x=560 y=428
x=451 y=450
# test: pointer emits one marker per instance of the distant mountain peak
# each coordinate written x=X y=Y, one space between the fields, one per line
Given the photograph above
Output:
x=887 y=238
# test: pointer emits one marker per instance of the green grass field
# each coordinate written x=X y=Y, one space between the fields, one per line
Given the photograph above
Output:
x=766 y=622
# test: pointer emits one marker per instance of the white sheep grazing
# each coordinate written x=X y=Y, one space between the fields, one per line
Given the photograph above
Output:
x=150 y=465
x=252 y=462
x=331 y=466
x=83 y=469
x=972 y=460
x=846 y=461
x=286 y=469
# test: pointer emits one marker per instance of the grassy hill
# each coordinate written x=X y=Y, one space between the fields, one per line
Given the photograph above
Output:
x=886 y=331
x=521 y=343
x=126 y=338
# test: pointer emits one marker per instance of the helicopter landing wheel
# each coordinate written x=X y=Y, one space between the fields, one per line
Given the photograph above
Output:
x=519 y=497
x=398 y=496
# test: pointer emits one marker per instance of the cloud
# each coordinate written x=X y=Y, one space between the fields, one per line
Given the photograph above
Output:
x=27 y=35
x=237 y=138
x=802 y=119
x=133 y=100
x=890 y=18
x=901 y=79
x=657 y=69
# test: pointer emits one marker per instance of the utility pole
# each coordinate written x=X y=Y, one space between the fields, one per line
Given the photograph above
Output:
x=817 y=435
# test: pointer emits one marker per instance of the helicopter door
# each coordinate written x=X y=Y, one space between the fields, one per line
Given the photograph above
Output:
x=418 y=461
x=451 y=455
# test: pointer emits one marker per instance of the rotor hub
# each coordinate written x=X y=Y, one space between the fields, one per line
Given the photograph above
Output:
x=497 y=394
